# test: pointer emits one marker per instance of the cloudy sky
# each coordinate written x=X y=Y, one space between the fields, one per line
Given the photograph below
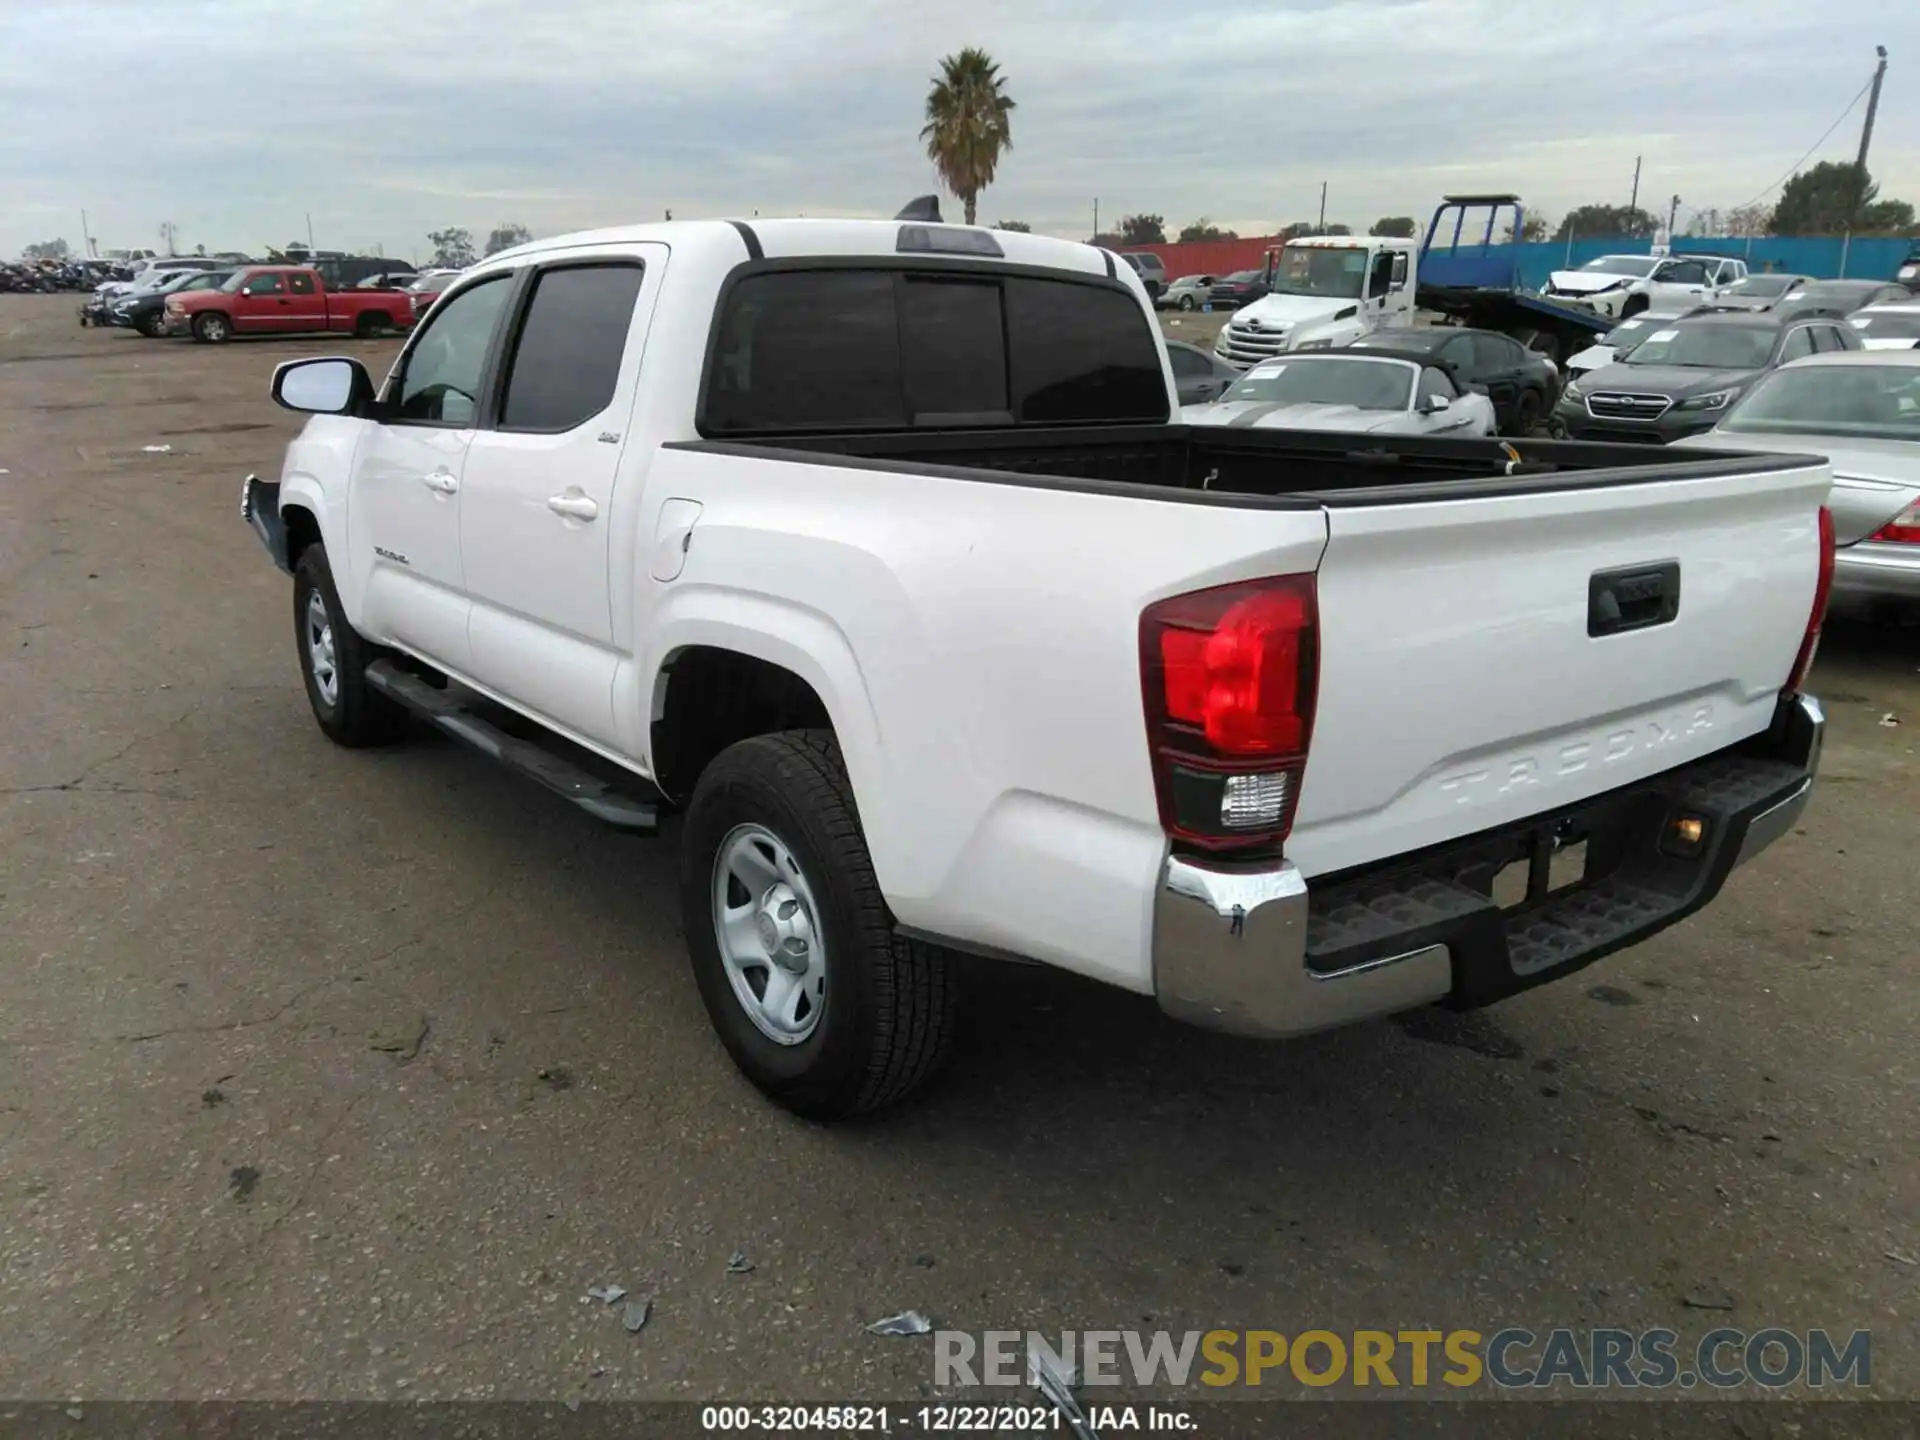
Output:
x=235 y=119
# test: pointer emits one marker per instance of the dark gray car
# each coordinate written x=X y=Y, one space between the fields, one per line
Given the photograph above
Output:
x=1199 y=374
x=1680 y=380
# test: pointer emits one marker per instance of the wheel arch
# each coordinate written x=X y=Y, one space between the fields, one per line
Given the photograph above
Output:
x=767 y=666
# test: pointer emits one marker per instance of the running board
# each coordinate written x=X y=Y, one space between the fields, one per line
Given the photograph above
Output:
x=564 y=778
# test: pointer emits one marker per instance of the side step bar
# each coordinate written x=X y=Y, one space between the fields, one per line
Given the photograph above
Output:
x=567 y=780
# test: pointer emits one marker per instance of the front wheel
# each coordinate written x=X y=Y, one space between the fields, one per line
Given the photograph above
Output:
x=818 y=1000
x=334 y=659
x=212 y=328
x=1186 y=302
x=154 y=327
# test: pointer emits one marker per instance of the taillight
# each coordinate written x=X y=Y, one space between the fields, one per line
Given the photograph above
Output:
x=1903 y=529
x=1822 y=590
x=1229 y=677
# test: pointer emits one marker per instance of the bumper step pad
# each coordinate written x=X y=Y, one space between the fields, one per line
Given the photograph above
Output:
x=1635 y=882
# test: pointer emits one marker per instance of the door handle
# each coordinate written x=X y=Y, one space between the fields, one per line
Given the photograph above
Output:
x=573 y=504
x=441 y=482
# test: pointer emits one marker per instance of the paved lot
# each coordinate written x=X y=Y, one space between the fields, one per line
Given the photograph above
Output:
x=336 y=1074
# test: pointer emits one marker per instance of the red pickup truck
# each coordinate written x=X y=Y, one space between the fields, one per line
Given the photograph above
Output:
x=284 y=299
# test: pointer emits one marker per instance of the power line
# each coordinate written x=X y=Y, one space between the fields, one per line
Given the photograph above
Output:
x=1794 y=168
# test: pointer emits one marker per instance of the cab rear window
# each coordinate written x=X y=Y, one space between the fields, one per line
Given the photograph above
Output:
x=899 y=349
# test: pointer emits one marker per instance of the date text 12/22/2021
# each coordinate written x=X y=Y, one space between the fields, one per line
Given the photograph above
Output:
x=933 y=1419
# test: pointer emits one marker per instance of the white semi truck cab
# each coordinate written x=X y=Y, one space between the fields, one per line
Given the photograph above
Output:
x=1324 y=291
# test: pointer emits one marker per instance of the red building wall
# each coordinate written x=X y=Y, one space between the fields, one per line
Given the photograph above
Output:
x=1211 y=257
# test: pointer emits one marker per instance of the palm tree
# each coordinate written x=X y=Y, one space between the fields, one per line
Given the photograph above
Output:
x=968 y=124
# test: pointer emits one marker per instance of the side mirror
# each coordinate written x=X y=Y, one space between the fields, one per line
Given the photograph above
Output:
x=328 y=386
x=1434 y=404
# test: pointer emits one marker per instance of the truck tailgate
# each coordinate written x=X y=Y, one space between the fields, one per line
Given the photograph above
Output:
x=1489 y=657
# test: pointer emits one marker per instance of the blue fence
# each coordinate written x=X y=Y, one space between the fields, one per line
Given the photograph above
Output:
x=1822 y=256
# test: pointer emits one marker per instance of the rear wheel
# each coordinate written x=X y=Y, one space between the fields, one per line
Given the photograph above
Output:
x=818 y=999
x=154 y=326
x=1186 y=302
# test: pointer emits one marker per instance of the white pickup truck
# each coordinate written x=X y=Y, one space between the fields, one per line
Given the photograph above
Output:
x=873 y=548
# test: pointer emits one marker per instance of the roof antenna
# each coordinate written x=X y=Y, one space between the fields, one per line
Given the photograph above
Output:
x=926 y=207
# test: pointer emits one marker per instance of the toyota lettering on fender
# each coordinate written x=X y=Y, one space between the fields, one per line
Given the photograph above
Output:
x=1309 y=736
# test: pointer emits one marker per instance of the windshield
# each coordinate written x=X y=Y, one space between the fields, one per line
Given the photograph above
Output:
x=1865 y=401
x=1628 y=333
x=1836 y=291
x=1641 y=265
x=1337 y=272
x=1363 y=384
x=1761 y=286
x=1710 y=347
x=1888 y=326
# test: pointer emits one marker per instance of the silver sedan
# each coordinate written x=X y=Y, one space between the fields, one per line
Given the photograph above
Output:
x=1860 y=409
x=1377 y=392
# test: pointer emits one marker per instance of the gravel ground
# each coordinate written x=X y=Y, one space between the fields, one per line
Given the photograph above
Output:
x=345 y=1074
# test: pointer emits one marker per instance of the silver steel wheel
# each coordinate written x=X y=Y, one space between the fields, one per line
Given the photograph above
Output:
x=768 y=930
x=319 y=633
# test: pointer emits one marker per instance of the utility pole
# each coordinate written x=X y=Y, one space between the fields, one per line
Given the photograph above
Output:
x=309 y=234
x=1096 y=217
x=1866 y=135
x=86 y=239
x=1673 y=214
x=1323 y=209
x=1633 y=201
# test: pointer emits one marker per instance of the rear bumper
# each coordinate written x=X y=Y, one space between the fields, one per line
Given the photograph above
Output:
x=1260 y=952
x=1877 y=570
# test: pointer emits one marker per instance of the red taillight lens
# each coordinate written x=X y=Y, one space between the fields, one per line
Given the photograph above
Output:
x=1229 y=677
x=1903 y=529
x=1822 y=591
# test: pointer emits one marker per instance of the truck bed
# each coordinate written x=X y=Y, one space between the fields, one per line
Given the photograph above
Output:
x=1272 y=468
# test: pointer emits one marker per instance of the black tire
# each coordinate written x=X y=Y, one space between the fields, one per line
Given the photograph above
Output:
x=154 y=325
x=371 y=324
x=357 y=715
x=1528 y=406
x=1186 y=302
x=212 y=328
x=891 y=1004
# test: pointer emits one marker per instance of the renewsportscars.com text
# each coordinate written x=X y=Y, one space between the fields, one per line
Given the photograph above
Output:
x=1601 y=1358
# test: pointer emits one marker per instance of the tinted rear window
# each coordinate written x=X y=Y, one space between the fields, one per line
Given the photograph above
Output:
x=888 y=349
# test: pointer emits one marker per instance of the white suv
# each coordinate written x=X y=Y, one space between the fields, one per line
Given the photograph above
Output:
x=1617 y=286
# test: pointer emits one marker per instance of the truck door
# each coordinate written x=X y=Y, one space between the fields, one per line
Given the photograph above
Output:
x=306 y=306
x=548 y=547
x=262 y=303
x=403 y=512
x=1379 y=289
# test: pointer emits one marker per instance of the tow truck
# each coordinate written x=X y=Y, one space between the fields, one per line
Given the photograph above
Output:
x=1329 y=290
